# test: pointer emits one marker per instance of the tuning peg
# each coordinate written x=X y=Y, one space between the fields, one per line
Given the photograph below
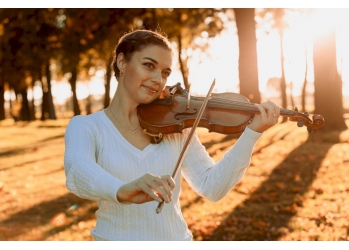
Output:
x=310 y=130
x=300 y=123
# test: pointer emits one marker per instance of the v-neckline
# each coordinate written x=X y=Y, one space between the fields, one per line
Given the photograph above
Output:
x=139 y=152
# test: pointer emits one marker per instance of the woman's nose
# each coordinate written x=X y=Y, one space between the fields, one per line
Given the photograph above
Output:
x=157 y=77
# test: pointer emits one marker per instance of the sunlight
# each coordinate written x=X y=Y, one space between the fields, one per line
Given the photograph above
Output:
x=61 y=92
x=297 y=42
x=339 y=19
x=220 y=60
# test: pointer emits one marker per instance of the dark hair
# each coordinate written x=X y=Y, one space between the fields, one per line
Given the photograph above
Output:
x=136 y=41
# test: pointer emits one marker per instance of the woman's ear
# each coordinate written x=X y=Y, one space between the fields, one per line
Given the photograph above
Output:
x=120 y=61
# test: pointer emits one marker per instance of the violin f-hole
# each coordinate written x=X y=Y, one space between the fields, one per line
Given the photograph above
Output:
x=178 y=116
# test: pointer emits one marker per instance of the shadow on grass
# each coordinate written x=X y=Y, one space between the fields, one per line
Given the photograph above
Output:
x=265 y=215
x=30 y=147
x=39 y=216
x=228 y=142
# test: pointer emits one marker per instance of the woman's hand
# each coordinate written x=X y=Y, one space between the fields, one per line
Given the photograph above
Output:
x=268 y=117
x=147 y=188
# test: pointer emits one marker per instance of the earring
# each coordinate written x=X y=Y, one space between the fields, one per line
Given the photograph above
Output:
x=121 y=72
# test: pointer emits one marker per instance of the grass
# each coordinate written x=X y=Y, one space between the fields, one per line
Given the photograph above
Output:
x=296 y=188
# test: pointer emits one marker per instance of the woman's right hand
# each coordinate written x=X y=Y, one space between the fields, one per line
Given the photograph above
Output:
x=147 y=188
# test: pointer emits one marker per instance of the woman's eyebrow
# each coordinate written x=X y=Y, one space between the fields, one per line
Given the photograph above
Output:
x=151 y=59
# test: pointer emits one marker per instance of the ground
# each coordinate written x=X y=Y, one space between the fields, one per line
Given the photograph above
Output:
x=296 y=188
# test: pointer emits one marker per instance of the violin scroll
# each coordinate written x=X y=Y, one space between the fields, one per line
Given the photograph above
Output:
x=303 y=119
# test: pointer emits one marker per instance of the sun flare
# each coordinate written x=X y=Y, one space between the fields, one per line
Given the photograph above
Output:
x=220 y=60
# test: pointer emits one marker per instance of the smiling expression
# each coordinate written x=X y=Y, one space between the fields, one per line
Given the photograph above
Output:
x=145 y=75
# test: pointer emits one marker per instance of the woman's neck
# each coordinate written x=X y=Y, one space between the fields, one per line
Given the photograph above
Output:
x=123 y=107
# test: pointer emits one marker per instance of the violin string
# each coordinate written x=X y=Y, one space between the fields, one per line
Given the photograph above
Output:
x=231 y=103
x=240 y=105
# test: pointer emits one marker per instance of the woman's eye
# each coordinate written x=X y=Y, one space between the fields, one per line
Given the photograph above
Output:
x=166 y=74
x=149 y=65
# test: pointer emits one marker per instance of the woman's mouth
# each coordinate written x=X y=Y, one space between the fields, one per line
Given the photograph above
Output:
x=150 y=89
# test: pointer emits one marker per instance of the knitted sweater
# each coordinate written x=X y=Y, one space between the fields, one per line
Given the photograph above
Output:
x=98 y=160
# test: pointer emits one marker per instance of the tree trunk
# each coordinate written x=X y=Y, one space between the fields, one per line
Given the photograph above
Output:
x=282 y=80
x=72 y=81
x=48 y=111
x=44 y=104
x=2 y=99
x=248 y=69
x=52 y=113
x=14 y=110
x=183 y=64
x=88 y=106
x=31 y=105
x=328 y=83
x=304 y=88
x=108 y=76
x=25 y=111
x=304 y=95
x=2 y=87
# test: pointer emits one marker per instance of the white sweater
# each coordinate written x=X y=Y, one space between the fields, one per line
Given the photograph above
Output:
x=98 y=160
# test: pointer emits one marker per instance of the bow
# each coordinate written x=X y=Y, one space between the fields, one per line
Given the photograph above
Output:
x=184 y=150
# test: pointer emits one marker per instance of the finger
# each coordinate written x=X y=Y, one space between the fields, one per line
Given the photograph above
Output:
x=157 y=186
x=165 y=187
x=276 y=110
x=151 y=193
x=269 y=109
x=170 y=181
x=149 y=185
x=262 y=111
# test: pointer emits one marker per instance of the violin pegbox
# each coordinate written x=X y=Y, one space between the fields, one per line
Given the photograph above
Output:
x=303 y=119
x=176 y=89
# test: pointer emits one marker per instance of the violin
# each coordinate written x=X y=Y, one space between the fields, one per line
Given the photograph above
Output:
x=225 y=113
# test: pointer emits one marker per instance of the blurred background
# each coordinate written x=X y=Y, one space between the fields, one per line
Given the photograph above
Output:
x=54 y=63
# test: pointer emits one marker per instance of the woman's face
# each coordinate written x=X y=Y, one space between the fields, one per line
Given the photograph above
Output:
x=145 y=75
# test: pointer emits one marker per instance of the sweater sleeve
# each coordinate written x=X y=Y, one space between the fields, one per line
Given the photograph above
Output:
x=214 y=180
x=84 y=177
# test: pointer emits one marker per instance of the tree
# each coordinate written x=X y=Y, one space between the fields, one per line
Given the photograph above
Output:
x=2 y=98
x=93 y=34
x=327 y=81
x=183 y=26
x=114 y=24
x=248 y=69
x=26 y=39
x=280 y=24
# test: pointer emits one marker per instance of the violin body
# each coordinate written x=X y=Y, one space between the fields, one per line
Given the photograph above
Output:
x=225 y=113
x=172 y=115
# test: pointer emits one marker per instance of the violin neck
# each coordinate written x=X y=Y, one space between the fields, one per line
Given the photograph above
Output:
x=284 y=112
x=244 y=106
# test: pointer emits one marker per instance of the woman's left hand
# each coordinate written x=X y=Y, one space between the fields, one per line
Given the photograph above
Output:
x=268 y=117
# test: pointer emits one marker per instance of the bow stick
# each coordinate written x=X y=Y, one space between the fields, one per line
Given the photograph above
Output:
x=184 y=150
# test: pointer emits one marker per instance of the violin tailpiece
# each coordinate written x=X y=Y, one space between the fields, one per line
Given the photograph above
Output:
x=155 y=138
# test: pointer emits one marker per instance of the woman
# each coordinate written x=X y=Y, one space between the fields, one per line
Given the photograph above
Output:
x=110 y=160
